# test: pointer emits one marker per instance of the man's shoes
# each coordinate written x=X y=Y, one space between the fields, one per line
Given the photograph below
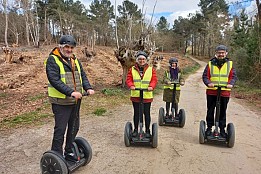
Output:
x=208 y=131
x=223 y=133
x=135 y=133
x=147 y=134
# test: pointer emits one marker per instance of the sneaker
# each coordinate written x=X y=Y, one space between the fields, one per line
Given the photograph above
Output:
x=208 y=132
x=147 y=134
x=69 y=156
x=135 y=133
x=223 y=133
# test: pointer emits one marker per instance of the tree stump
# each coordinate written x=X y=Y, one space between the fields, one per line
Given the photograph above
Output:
x=8 y=54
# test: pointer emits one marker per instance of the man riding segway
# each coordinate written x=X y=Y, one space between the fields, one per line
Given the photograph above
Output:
x=219 y=76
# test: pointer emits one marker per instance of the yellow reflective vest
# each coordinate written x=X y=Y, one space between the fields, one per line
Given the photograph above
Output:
x=167 y=74
x=142 y=83
x=220 y=76
x=52 y=92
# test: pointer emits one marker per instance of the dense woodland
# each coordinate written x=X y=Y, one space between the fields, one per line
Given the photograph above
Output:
x=42 y=22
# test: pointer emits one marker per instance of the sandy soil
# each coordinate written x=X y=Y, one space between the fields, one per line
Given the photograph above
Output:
x=178 y=150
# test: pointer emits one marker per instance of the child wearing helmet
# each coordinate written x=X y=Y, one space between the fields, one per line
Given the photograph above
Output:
x=173 y=73
x=141 y=75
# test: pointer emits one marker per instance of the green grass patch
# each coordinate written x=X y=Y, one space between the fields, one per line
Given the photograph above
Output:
x=190 y=69
x=243 y=87
x=3 y=95
x=113 y=92
x=36 y=97
x=159 y=88
x=99 y=111
x=26 y=118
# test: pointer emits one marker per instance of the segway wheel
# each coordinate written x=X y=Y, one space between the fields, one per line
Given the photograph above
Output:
x=52 y=162
x=154 y=135
x=127 y=134
x=182 y=118
x=84 y=148
x=161 y=116
x=202 y=130
x=230 y=135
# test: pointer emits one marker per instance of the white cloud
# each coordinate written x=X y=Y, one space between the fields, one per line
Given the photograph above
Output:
x=176 y=15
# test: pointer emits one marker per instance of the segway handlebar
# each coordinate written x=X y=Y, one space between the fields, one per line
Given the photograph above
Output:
x=85 y=93
x=174 y=82
x=220 y=86
x=141 y=89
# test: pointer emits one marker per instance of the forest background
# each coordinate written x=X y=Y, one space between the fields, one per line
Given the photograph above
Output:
x=34 y=24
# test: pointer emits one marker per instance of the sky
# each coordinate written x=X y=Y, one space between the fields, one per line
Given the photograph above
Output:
x=172 y=9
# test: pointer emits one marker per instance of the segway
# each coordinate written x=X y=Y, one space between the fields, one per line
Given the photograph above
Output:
x=53 y=162
x=215 y=136
x=140 y=139
x=172 y=120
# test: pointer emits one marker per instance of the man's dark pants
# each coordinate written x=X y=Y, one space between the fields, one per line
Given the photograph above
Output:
x=211 y=105
x=64 y=116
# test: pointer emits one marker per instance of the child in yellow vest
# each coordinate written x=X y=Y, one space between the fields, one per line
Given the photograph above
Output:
x=172 y=74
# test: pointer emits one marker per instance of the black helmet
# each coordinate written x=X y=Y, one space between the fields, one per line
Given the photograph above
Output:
x=142 y=53
x=68 y=40
x=221 y=47
x=173 y=60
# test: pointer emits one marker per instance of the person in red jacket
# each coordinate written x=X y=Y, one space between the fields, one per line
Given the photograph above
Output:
x=141 y=75
x=221 y=68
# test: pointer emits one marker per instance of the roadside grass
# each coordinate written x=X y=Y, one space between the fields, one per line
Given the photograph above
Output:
x=104 y=100
x=190 y=69
x=36 y=97
x=3 y=95
x=250 y=94
x=99 y=111
x=29 y=118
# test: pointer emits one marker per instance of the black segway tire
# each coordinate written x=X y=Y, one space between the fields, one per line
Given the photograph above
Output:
x=85 y=148
x=161 y=116
x=154 y=135
x=230 y=135
x=127 y=134
x=52 y=162
x=202 y=130
x=182 y=118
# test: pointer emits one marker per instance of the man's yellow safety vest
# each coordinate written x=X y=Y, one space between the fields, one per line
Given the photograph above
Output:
x=220 y=76
x=142 y=83
x=52 y=92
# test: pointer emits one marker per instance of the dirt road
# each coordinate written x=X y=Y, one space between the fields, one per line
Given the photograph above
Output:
x=178 y=149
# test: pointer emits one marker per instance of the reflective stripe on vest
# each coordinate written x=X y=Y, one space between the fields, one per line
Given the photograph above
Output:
x=220 y=76
x=52 y=92
x=142 y=83
x=171 y=85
